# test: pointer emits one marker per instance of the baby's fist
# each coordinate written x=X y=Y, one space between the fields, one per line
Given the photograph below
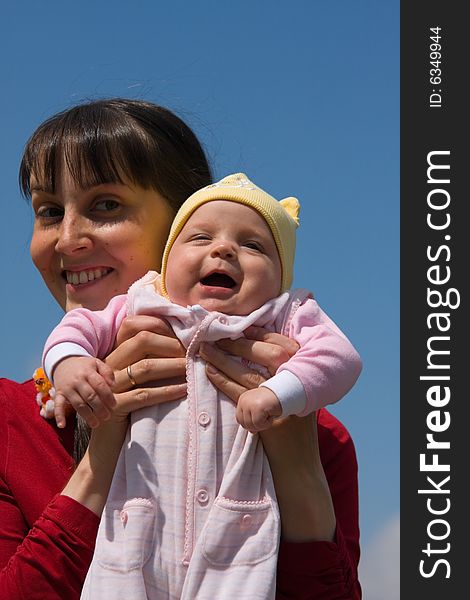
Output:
x=257 y=408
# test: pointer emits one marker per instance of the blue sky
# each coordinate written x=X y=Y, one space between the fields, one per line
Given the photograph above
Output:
x=304 y=98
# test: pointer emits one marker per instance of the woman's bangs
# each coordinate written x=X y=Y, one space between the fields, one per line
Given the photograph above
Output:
x=92 y=156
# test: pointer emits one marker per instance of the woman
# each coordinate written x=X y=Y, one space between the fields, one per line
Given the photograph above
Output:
x=87 y=171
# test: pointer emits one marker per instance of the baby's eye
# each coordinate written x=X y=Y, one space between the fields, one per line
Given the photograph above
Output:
x=253 y=246
x=198 y=237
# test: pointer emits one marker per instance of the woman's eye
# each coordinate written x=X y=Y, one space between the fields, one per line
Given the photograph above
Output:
x=106 y=205
x=49 y=212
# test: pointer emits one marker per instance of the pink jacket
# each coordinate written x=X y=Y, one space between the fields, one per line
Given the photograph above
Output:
x=192 y=512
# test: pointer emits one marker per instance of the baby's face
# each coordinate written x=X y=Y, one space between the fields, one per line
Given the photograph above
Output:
x=224 y=259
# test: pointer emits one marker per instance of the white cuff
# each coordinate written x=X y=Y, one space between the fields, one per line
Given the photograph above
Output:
x=289 y=391
x=60 y=351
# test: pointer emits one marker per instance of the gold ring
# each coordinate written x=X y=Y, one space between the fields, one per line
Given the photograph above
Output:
x=129 y=374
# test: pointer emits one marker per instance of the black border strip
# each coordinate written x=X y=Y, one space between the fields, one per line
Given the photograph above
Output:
x=434 y=254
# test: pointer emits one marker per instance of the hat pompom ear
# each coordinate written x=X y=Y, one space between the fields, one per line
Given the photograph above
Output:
x=292 y=207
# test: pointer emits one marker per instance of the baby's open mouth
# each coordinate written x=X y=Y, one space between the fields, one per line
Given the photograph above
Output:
x=218 y=280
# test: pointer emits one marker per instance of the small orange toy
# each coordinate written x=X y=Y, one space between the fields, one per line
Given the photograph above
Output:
x=45 y=393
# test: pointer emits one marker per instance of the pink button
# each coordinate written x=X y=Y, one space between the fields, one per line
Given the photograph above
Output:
x=202 y=497
x=204 y=419
x=246 y=521
x=124 y=516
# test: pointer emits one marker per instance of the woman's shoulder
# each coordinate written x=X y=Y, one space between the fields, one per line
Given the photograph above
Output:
x=19 y=415
x=19 y=396
x=18 y=406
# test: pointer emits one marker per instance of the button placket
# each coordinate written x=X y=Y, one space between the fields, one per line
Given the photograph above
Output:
x=203 y=440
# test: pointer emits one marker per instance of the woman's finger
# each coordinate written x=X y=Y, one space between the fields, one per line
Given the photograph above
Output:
x=149 y=370
x=234 y=370
x=132 y=400
x=263 y=335
x=135 y=323
x=230 y=388
x=142 y=345
x=271 y=354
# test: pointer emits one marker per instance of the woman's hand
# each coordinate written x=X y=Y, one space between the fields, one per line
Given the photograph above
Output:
x=158 y=362
x=259 y=346
x=291 y=444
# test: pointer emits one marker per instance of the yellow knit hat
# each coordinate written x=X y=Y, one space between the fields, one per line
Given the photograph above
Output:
x=281 y=218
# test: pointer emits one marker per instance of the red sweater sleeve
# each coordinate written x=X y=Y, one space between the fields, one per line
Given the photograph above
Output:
x=52 y=560
x=328 y=570
x=46 y=540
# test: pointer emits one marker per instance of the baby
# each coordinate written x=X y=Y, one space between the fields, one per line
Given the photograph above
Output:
x=230 y=250
x=192 y=511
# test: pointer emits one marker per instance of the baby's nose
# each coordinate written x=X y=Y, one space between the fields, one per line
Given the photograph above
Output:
x=224 y=249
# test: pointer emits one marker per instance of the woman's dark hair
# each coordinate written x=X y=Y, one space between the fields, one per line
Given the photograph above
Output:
x=104 y=141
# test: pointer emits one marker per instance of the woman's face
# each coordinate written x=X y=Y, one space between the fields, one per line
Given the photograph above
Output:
x=92 y=244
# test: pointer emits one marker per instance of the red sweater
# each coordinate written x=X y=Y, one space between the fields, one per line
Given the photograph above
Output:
x=47 y=540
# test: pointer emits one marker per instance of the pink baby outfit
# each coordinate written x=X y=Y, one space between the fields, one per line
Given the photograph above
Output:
x=192 y=512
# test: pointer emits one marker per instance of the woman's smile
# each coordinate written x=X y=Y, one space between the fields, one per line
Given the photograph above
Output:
x=82 y=286
x=81 y=277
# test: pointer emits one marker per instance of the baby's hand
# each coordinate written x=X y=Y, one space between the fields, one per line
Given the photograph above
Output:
x=85 y=383
x=257 y=408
